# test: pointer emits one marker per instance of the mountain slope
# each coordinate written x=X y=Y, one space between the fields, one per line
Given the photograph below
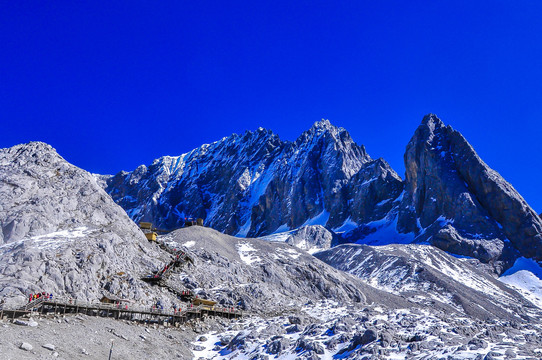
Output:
x=432 y=277
x=266 y=277
x=62 y=233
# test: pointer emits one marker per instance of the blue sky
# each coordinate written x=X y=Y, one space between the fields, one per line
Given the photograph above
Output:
x=117 y=85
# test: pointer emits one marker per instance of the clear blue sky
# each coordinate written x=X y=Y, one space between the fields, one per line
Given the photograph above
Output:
x=117 y=85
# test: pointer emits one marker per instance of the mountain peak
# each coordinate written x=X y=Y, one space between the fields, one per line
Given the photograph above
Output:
x=35 y=146
x=461 y=205
x=432 y=121
x=324 y=125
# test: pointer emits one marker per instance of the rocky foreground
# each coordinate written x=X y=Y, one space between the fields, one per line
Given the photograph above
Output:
x=322 y=330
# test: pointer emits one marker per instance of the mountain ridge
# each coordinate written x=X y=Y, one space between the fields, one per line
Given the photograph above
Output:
x=255 y=184
x=315 y=169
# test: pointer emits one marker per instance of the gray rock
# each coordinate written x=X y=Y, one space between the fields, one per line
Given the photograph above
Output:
x=293 y=329
x=386 y=339
x=369 y=336
x=492 y=355
x=476 y=344
x=26 y=346
x=295 y=320
x=304 y=344
x=49 y=347
x=225 y=340
x=277 y=346
x=238 y=342
x=510 y=354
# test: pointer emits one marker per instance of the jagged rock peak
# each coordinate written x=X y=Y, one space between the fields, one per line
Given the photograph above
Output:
x=254 y=183
x=325 y=126
x=432 y=121
x=457 y=203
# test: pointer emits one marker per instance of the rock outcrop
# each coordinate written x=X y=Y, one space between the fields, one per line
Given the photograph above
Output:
x=62 y=233
x=456 y=202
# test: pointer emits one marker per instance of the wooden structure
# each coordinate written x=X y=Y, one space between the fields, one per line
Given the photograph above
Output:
x=119 y=311
x=109 y=299
x=148 y=230
x=199 y=301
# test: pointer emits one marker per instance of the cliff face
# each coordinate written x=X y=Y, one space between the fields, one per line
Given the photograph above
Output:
x=456 y=202
x=255 y=184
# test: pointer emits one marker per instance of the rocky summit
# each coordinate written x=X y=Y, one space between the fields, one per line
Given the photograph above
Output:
x=334 y=255
x=454 y=201
x=256 y=184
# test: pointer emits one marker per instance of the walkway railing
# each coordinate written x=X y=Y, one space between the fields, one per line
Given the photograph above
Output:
x=78 y=306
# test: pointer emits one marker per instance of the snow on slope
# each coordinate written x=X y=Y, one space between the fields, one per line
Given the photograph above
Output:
x=255 y=184
x=526 y=277
x=428 y=275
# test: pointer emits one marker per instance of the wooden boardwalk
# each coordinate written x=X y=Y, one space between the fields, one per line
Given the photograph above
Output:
x=124 y=312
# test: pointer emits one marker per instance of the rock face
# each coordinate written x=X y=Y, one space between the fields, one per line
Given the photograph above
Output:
x=312 y=238
x=456 y=202
x=61 y=232
x=255 y=184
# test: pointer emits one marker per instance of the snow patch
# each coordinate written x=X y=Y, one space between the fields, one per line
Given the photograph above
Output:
x=51 y=240
x=386 y=233
x=246 y=253
x=320 y=219
x=348 y=225
x=525 y=276
x=189 y=244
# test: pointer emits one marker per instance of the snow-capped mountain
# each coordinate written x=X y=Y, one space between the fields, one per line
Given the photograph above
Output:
x=62 y=233
x=256 y=184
